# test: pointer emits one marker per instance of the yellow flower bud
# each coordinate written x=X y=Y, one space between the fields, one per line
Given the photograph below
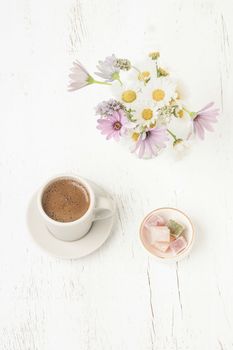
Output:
x=178 y=96
x=135 y=136
x=161 y=72
x=154 y=55
x=179 y=112
x=144 y=76
x=153 y=125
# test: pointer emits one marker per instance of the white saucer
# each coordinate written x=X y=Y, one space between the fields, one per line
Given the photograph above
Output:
x=93 y=240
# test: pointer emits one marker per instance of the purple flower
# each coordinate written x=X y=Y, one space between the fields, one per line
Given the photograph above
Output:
x=108 y=69
x=150 y=142
x=113 y=126
x=79 y=77
x=203 y=120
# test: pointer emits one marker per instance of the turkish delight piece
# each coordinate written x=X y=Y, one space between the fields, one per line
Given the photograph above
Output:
x=162 y=246
x=175 y=228
x=159 y=234
x=178 y=245
x=155 y=220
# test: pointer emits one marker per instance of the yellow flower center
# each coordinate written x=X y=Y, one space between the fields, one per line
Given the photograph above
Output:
x=129 y=96
x=144 y=76
x=135 y=136
x=158 y=95
x=147 y=113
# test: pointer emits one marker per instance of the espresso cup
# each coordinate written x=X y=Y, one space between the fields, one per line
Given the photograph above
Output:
x=100 y=208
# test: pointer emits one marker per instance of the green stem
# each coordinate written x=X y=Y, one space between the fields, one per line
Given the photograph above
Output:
x=136 y=69
x=191 y=114
x=186 y=110
x=101 y=82
x=120 y=81
x=173 y=135
x=157 y=69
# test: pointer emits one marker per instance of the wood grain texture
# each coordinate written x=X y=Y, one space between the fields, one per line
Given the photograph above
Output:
x=118 y=298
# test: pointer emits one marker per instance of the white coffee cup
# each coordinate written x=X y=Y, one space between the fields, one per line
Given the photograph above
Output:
x=100 y=208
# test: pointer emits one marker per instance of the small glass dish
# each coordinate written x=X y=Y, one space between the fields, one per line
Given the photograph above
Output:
x=169 y=214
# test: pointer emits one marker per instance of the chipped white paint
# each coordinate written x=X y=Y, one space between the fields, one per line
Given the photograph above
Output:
x=119 y=298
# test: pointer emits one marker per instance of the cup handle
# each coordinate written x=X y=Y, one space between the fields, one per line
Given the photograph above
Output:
x=104 y=208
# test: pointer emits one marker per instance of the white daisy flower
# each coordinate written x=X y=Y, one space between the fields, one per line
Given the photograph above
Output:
x=162 y=91
x=145 y=113
x=128 y=93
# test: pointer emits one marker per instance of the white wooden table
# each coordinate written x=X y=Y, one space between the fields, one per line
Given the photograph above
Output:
x=118 y=298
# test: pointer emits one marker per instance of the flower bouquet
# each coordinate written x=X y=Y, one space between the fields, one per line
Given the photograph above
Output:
x=146 y=104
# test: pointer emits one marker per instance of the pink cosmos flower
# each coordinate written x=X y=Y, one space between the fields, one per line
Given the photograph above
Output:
x=204 y=119
x=79 y=77
x=151 y=141
x=113 y=126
